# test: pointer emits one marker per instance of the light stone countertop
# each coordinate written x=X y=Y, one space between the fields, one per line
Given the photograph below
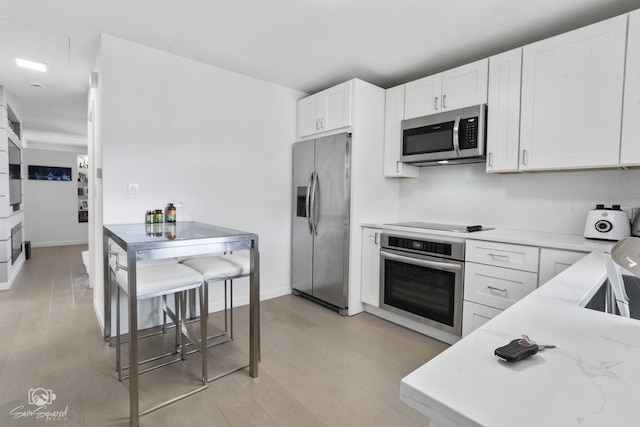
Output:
x=571 y=242
x=592 y=378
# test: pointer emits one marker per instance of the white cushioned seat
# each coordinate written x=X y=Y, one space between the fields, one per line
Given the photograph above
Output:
x=220 y=267
x=156 y=279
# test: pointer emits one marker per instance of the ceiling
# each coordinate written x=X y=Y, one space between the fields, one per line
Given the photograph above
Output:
x=306 y=45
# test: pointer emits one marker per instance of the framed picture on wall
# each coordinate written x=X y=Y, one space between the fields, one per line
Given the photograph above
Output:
x=83 y=216
x=49 y=173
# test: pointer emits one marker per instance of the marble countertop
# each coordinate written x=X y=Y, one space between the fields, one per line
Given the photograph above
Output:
x=592 y=378
x=569 y=242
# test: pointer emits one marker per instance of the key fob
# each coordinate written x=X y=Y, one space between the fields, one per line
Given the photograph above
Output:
x=516 y=350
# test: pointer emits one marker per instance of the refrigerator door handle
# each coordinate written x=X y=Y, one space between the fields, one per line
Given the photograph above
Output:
x=314 y=220
x=308 y=203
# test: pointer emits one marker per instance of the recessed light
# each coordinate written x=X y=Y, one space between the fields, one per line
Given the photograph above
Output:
x=37 y=84
x=443 y=162
x=32 y=65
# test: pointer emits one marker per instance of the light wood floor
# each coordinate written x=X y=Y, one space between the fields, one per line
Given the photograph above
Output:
x=317 y=368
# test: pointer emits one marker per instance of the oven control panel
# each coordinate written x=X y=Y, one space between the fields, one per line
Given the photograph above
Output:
x=420 y=245
x=441 y=248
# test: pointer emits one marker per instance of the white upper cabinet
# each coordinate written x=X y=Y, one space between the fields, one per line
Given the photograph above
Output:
x=630 y=147
x=423 y=96
x=460 y=87
x=571 y=106
x=503 y=117
x=394 y=113
x=325 y=111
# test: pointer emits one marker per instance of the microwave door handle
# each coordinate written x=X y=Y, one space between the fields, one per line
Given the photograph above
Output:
x=456 y=134
x=422 y=262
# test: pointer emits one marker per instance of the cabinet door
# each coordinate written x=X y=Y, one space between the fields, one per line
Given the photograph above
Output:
x=555 y=261
x=309 y=111
x=630 y=147
x=3 y=117
x=465 y=86
x=371 y=266
x=497 y=287
x=503 y=121
x=325 y=111
x=422 y=96
x=337 y=101
x=572 y=98
x=393 y=115
x=475 y=315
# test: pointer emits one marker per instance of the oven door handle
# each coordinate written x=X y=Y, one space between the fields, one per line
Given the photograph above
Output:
x=421 y=262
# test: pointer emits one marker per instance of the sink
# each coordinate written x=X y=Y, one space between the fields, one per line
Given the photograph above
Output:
x=632 y=286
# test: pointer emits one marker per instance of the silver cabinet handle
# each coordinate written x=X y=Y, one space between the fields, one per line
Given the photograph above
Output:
x=493 y=288
x=492 y=255
x=525 y=157
x=444 y=101
x=456 y=133
x=490 y=160
x=435 y=103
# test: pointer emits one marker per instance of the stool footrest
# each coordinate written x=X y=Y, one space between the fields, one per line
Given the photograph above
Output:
x=175 y=399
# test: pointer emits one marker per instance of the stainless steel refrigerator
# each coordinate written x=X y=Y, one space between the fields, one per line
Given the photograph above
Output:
x=320 y=229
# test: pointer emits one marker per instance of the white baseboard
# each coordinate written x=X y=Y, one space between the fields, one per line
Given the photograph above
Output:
x=50 y=244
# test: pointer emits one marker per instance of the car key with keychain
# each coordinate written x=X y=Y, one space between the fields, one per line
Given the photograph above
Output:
x=519 y=349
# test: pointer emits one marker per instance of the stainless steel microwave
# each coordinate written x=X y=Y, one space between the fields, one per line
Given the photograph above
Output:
x=450 y=137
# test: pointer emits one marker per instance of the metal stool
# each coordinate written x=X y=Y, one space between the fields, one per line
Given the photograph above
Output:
x=162 y=279
x=218 y=268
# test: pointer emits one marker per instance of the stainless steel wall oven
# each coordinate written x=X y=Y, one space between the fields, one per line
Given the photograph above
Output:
x=421 y=278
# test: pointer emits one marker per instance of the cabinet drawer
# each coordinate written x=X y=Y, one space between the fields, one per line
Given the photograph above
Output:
x=507 y=255
x=496 y=287
x=475 y=315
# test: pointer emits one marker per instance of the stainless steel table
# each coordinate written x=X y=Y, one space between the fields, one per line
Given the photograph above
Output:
x=143 y=242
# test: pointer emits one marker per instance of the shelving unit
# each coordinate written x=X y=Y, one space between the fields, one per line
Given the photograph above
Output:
x=12 y=255
x=83 y=188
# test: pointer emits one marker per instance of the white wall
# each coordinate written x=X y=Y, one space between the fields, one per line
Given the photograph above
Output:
x=51 y=207
x=550 y=201
x=216 y=140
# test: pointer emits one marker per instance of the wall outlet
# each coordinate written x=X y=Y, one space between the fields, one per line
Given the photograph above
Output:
x=132 y=190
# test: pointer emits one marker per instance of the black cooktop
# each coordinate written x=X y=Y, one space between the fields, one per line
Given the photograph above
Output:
x=457 y=228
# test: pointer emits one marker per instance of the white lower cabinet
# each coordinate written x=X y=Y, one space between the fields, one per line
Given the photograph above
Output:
x=555 y=261
x=496 y=276
x=476 y=315
x=371 y=266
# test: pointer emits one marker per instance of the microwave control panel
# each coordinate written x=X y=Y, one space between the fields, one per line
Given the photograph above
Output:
x=468 y=133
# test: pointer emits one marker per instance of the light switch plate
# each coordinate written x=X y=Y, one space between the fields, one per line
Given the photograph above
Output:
x=132 y=190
